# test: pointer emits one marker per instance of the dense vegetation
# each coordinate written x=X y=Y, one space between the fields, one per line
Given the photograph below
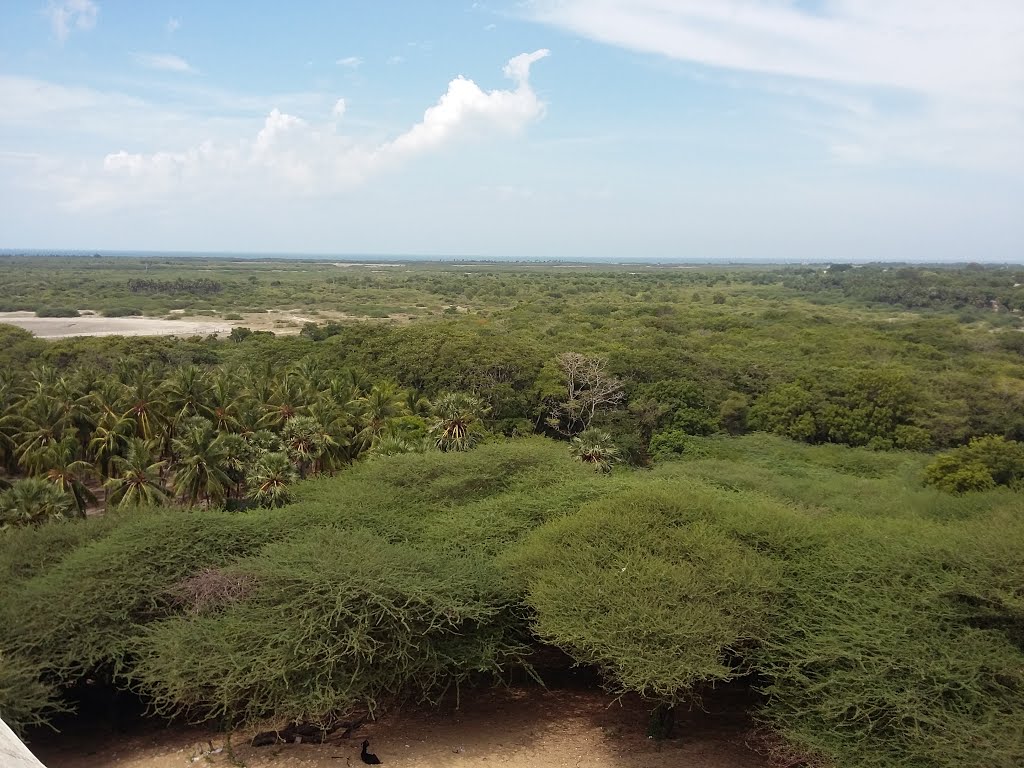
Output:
x=452 y=526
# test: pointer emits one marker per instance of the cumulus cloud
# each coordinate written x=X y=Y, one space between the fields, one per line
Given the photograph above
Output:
x=466 y=108
x=294 y=156
x=68 y=14
x=959 y=66
x=350 y=62
x=166 y=62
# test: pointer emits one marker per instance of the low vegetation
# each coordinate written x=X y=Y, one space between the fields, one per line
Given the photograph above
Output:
x=788 y=489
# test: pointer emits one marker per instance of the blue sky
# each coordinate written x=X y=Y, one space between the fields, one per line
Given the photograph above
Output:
x=718 y=129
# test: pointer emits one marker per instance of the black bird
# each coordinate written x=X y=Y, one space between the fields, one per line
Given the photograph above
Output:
x=368 y=757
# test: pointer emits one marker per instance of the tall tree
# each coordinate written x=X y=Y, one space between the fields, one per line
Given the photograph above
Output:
x=456 y=423
x=587 y=387
x=269 y=478
x=69 y=473
x=137 y=481
x=201 y=463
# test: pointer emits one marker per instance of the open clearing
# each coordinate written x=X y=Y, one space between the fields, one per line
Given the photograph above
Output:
x=518 y=728
x=94 y=325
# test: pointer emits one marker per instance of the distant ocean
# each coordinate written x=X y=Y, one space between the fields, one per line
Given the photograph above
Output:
x=385 y=258
x=364 y=257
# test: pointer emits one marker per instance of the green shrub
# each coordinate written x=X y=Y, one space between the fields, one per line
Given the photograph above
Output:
x=110 y=587
x=24 y=699
x=338 y=621
x=898 y=644
x=57 y=312
x=982 y=464
x=674 y=443
x=645 y=586
x=122 y=312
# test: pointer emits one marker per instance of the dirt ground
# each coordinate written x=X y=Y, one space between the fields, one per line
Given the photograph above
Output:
x=279 y=321
x=94 y=325
x=515 y=728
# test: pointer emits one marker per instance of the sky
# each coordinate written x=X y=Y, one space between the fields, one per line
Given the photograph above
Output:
x=783 y=130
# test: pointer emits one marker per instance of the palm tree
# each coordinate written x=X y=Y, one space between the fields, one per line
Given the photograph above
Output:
x=309 y=375
x=594 y=447
x=9 y=421
x=304 y=440
x=187 y=393
x=456 y=421
x=68 y=472
x=415 y=403
x=384 y=401
x=201 y=464
x=336 y=433
x=138 y=477
x=109 y=439
x=225 y=400
x=74 y=406
x=269 y=479
x=34 y=501
x=39 y=425
x=146 y=406
x=287 y=400
x=239 y=455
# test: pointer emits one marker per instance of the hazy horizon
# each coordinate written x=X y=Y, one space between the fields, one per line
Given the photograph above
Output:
x=459 y=258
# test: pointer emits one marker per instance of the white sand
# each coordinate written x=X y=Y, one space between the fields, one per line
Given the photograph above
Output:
x=63 y=327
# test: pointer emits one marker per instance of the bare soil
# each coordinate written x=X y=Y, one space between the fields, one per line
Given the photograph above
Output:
x=516 y=728
x=93 y=325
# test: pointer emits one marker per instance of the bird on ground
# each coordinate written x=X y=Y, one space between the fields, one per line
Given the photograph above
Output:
x=368 y=757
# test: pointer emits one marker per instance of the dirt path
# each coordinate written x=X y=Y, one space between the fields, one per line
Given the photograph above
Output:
x=517 y=728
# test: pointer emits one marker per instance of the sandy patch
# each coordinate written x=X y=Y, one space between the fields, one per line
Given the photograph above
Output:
x=517 y=728
x=92 y=325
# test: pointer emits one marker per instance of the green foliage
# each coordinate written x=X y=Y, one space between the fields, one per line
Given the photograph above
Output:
x=853 y=407
x=24 y=699
x=110 y=587
x=899 y=645
x=380 y=622
x=456 y=421
x=138 y=481
x=674 y=443
x=883 y=617
x=982 y=464
x=594 y=447
x=269 y=479
x=202 y=462
x=647 y=588
x=34 y=501
x=57 y=312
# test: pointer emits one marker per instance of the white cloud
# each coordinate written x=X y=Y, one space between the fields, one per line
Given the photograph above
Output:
x=396 y=60
x=350 y=62
x=292 y=156
x=173 y=25
x=166 y=62
x=958 y=66
x=465 y=107
x=63 y=15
